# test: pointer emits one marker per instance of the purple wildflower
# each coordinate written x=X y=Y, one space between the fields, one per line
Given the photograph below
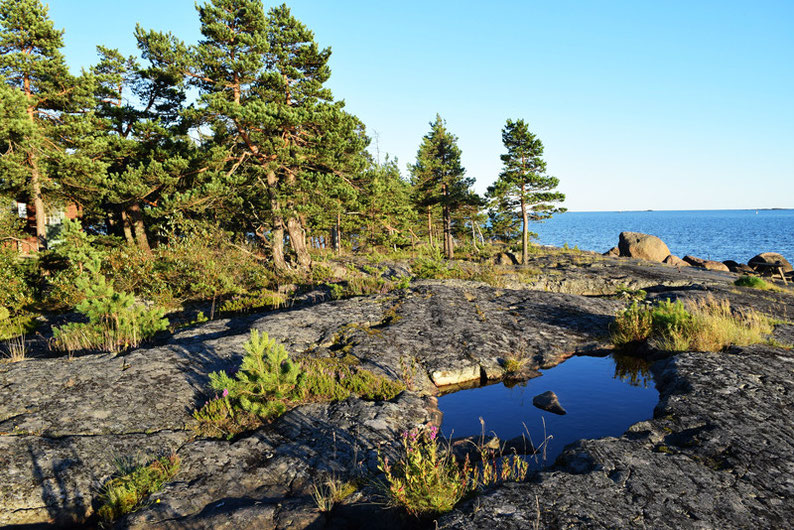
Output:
x=225 y=392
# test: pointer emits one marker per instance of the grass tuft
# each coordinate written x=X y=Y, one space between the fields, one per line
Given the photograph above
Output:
x=331 y=492
x=703 y=325
x=126 y=492
x=16 y=349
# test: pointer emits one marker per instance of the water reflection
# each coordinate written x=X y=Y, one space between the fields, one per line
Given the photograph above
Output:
x=632 y=370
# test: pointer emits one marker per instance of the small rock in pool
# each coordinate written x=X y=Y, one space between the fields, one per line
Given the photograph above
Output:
x=548 y=401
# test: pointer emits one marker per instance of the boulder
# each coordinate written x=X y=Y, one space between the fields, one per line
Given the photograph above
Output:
x=675 y=261
x=642 y=246
x=769 y=258
x=614 y=251
x=505 y=258
x=548 y=401
x=734 y=266
x=706 y=264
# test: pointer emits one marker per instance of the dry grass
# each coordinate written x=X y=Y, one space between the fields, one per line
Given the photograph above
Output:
x=707 y=324
x=719 y=326
x=331 y=492
x=16 y=349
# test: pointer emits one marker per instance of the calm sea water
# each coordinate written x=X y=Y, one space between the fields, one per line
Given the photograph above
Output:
x=603 y=396
x=710 y=234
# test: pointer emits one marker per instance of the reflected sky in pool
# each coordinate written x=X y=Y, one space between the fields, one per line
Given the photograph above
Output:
x=603 y=396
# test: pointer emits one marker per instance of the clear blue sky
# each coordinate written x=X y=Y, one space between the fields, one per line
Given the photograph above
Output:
x=641 y=105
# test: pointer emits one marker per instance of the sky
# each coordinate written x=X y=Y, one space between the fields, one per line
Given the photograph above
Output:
x=640 y=105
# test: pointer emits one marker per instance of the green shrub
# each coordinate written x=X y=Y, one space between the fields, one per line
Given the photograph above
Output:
x=115 y=323
x=17 y=280
x=429 y=268
x=127 y=491
x=264 y=299
x=754 y=282
x=201 y=264
x=706 y=325
x=75 y=257
x=427 y=481
x=15 y=326
x=268 y=383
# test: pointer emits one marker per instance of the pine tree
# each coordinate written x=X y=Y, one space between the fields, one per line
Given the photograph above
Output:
x=36 y=98
x=140 y=132
x=438 y=178
x=523 y=183
x=388 y=211
x=261 y=80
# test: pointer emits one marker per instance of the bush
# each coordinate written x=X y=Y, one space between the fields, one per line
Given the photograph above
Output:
x=706 y=325
x=115 y=321
x=17 y=280
x=74 y=257
x=754 y=282
x=427 y=481
x=202 y=264
x=127 y=491
x=268 y=383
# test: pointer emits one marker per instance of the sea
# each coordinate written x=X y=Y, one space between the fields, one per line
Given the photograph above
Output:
x=709 y=234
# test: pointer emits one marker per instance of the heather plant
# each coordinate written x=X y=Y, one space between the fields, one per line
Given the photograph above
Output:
x=133 y=482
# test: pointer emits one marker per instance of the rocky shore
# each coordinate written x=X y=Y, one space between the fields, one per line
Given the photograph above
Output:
x=716 y=454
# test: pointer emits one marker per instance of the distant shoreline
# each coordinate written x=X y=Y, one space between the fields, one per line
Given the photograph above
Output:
x=704 y=210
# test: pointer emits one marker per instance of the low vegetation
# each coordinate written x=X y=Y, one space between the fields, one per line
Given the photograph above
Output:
x=754 y=282
x=269 y=382
x=331 y=492
x=133 y=483
x=427 y=481
x=702 y=325
x=115 y=321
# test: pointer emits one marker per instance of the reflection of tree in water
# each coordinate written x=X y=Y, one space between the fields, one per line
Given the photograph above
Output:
x=632 y=370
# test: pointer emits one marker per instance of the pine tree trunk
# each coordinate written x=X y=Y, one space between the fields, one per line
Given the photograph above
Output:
x=447 y=221
x=430 y=226
x=277 y=244
x=448 y=249
x=35 y=180
x=136 y=216
x=473 y=235
x=38 y=205
x=297 y=240
x=338 y=234
x=524 y=230
x=125 y=223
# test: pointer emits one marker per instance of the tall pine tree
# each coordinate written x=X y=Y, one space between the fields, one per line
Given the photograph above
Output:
x=438 y=178
x=523 y=183
x=260 y=78
x=37 y=97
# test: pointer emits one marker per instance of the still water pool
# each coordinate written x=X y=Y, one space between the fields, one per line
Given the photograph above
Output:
x=603 y=396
